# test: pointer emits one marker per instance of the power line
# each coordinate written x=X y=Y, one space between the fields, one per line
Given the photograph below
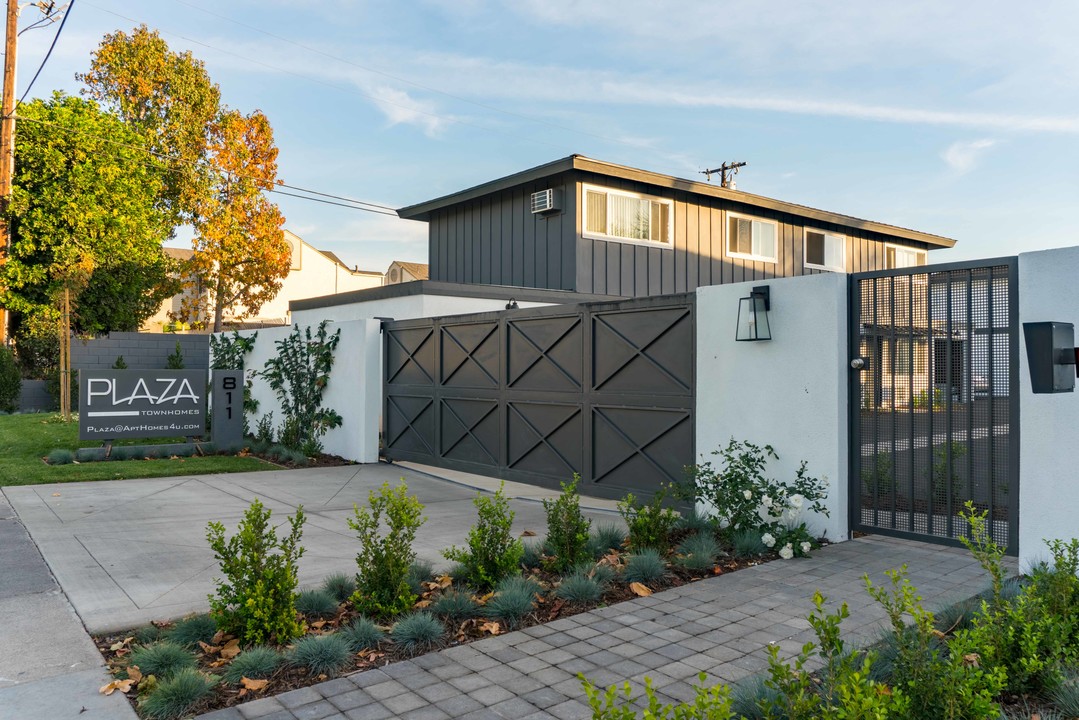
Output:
x=55 y=37
x=171 y=162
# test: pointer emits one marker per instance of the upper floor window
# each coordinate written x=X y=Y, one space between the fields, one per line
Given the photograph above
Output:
x=825 y=250
x=627 y=217
x=751 y=238
x=898 y=256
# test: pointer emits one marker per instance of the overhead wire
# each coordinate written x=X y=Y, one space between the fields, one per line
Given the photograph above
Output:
x=63 y=21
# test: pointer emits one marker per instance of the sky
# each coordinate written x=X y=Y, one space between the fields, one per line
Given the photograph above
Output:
x=959 y=119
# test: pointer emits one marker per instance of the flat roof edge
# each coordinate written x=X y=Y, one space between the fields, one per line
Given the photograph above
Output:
x=434 y=287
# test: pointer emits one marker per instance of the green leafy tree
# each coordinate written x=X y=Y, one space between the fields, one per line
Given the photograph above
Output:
x=83 y=219
x=169 y=100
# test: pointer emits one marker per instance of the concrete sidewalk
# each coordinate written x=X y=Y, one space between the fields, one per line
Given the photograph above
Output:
x=132 y=551
x=49 y=667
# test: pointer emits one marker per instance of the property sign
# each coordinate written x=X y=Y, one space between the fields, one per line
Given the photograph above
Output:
x=117 y=404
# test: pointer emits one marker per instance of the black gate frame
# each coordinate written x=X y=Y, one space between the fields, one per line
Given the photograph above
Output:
x=589 y=399
x=855 y=383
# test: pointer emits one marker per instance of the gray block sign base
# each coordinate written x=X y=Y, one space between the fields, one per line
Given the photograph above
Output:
x=227 y=392
x=119 y=404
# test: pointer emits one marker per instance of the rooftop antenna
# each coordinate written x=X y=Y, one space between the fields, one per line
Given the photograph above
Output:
x=726 y=171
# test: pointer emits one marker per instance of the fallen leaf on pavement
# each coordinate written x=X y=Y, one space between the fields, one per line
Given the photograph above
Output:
x=528 y=533
x=639 y=589
x=121 y=685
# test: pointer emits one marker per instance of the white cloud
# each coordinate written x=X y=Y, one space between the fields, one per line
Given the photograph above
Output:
x=961 y=156
x=401 y=108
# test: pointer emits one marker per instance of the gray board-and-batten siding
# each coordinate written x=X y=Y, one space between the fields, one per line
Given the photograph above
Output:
x=496 y=239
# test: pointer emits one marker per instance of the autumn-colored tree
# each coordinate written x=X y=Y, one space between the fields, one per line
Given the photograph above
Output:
x=169 y=99
x=241 y=253
x=83 y=216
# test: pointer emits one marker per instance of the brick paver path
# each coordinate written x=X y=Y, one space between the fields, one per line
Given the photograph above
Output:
x=721 y=626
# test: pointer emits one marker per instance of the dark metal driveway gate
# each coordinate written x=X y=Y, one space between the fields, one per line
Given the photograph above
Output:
x=605 y=390
x=934 y=409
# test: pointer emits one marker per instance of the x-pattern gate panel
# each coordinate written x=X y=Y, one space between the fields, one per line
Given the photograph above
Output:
x=934 y=422
x=604 y=390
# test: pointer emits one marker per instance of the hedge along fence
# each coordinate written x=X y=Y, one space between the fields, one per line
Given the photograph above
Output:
x=354 y=388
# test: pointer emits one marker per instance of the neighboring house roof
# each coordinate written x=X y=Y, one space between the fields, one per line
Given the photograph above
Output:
x=417 y=270
x=179 y=253
x=422 y=211
x=339 y=261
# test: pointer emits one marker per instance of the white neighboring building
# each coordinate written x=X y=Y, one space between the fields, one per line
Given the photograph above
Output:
x=314 y=273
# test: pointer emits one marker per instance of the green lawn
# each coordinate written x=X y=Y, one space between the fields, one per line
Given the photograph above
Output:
x=26 y=439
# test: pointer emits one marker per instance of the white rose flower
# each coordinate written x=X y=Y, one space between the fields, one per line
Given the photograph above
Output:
x=806 y=547
x=748 y=494
x=787 y=552
x=768 y=539
x=767 y=501
x=795 y=501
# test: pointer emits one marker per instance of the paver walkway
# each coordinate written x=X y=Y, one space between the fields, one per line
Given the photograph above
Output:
x=721 y=626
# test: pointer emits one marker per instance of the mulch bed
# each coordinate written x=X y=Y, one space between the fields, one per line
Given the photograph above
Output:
x=116 y=647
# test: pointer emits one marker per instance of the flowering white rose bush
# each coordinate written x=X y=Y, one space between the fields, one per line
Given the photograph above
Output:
x=787 y=552
x=742 y=497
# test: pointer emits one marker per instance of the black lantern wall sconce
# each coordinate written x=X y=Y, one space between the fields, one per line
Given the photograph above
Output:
x=753 y=316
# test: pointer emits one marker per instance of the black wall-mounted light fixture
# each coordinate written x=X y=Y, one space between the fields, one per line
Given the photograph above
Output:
x=753 y=316
x=512 y=304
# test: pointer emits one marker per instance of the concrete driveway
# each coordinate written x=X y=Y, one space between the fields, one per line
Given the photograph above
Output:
x=132 y=551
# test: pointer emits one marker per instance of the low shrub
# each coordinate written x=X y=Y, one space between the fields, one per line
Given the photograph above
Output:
x=183 y=450
x=340 y=586
x=256 y=600
x=382 y=586
x=698 y=552
x=532 y=557
x=316 y=604
x=455 y=606
x=162 y=659
x=618 y=703
x=177 y=696
x=418 y=632
x=189 y=632
x=321 y=654
x=513 y=600
x=123 y=452
x=88 y=455
x=10 y=381
x=696 y=521
x=362 y=634
x=600 y=572
x=279 y=453
x=492 y=552
x=256 y=663
x=567 y=527
x=605 y=537
x=650 y=525
x=646 y=566
x=60 y=456
x=579 y=589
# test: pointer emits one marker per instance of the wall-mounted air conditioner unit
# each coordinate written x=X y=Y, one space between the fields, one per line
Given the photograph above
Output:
x=546 y=201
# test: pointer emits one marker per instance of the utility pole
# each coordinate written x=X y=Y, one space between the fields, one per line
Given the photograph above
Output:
x=7 y=141
x=726 y=171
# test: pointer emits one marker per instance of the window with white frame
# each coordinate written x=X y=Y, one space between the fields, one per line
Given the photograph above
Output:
x=825 y=250
x=898 y=256
x=752 y=238
x=627 y=217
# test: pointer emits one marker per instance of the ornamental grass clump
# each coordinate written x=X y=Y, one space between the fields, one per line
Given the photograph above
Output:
x=362 y=634
x=698 y=552
x=492 y=552
x=256 y=600
x=87 y=455
x=532 y=557
x=177 y=696
x=567 y=528
x=579 y=589
x=646 y=566
x=321 y=654
x=747 y=543
x=340 y=586
x=421 y=571
x=513 y=600
x=605 y=538
x=256 y=663
x=60 y=456
x=418 y=632
x=455 y=606
x=317 y=604
x=162 y=659
x=189 y=632
x=696 y=521
x=600 y=572
x=382 y=583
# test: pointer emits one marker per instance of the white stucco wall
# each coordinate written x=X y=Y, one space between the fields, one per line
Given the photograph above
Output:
x=789 y=392
x=1049 y=428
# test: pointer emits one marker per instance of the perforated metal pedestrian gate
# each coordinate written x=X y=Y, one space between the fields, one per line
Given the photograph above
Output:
x=605 y=390
x=934 y=421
